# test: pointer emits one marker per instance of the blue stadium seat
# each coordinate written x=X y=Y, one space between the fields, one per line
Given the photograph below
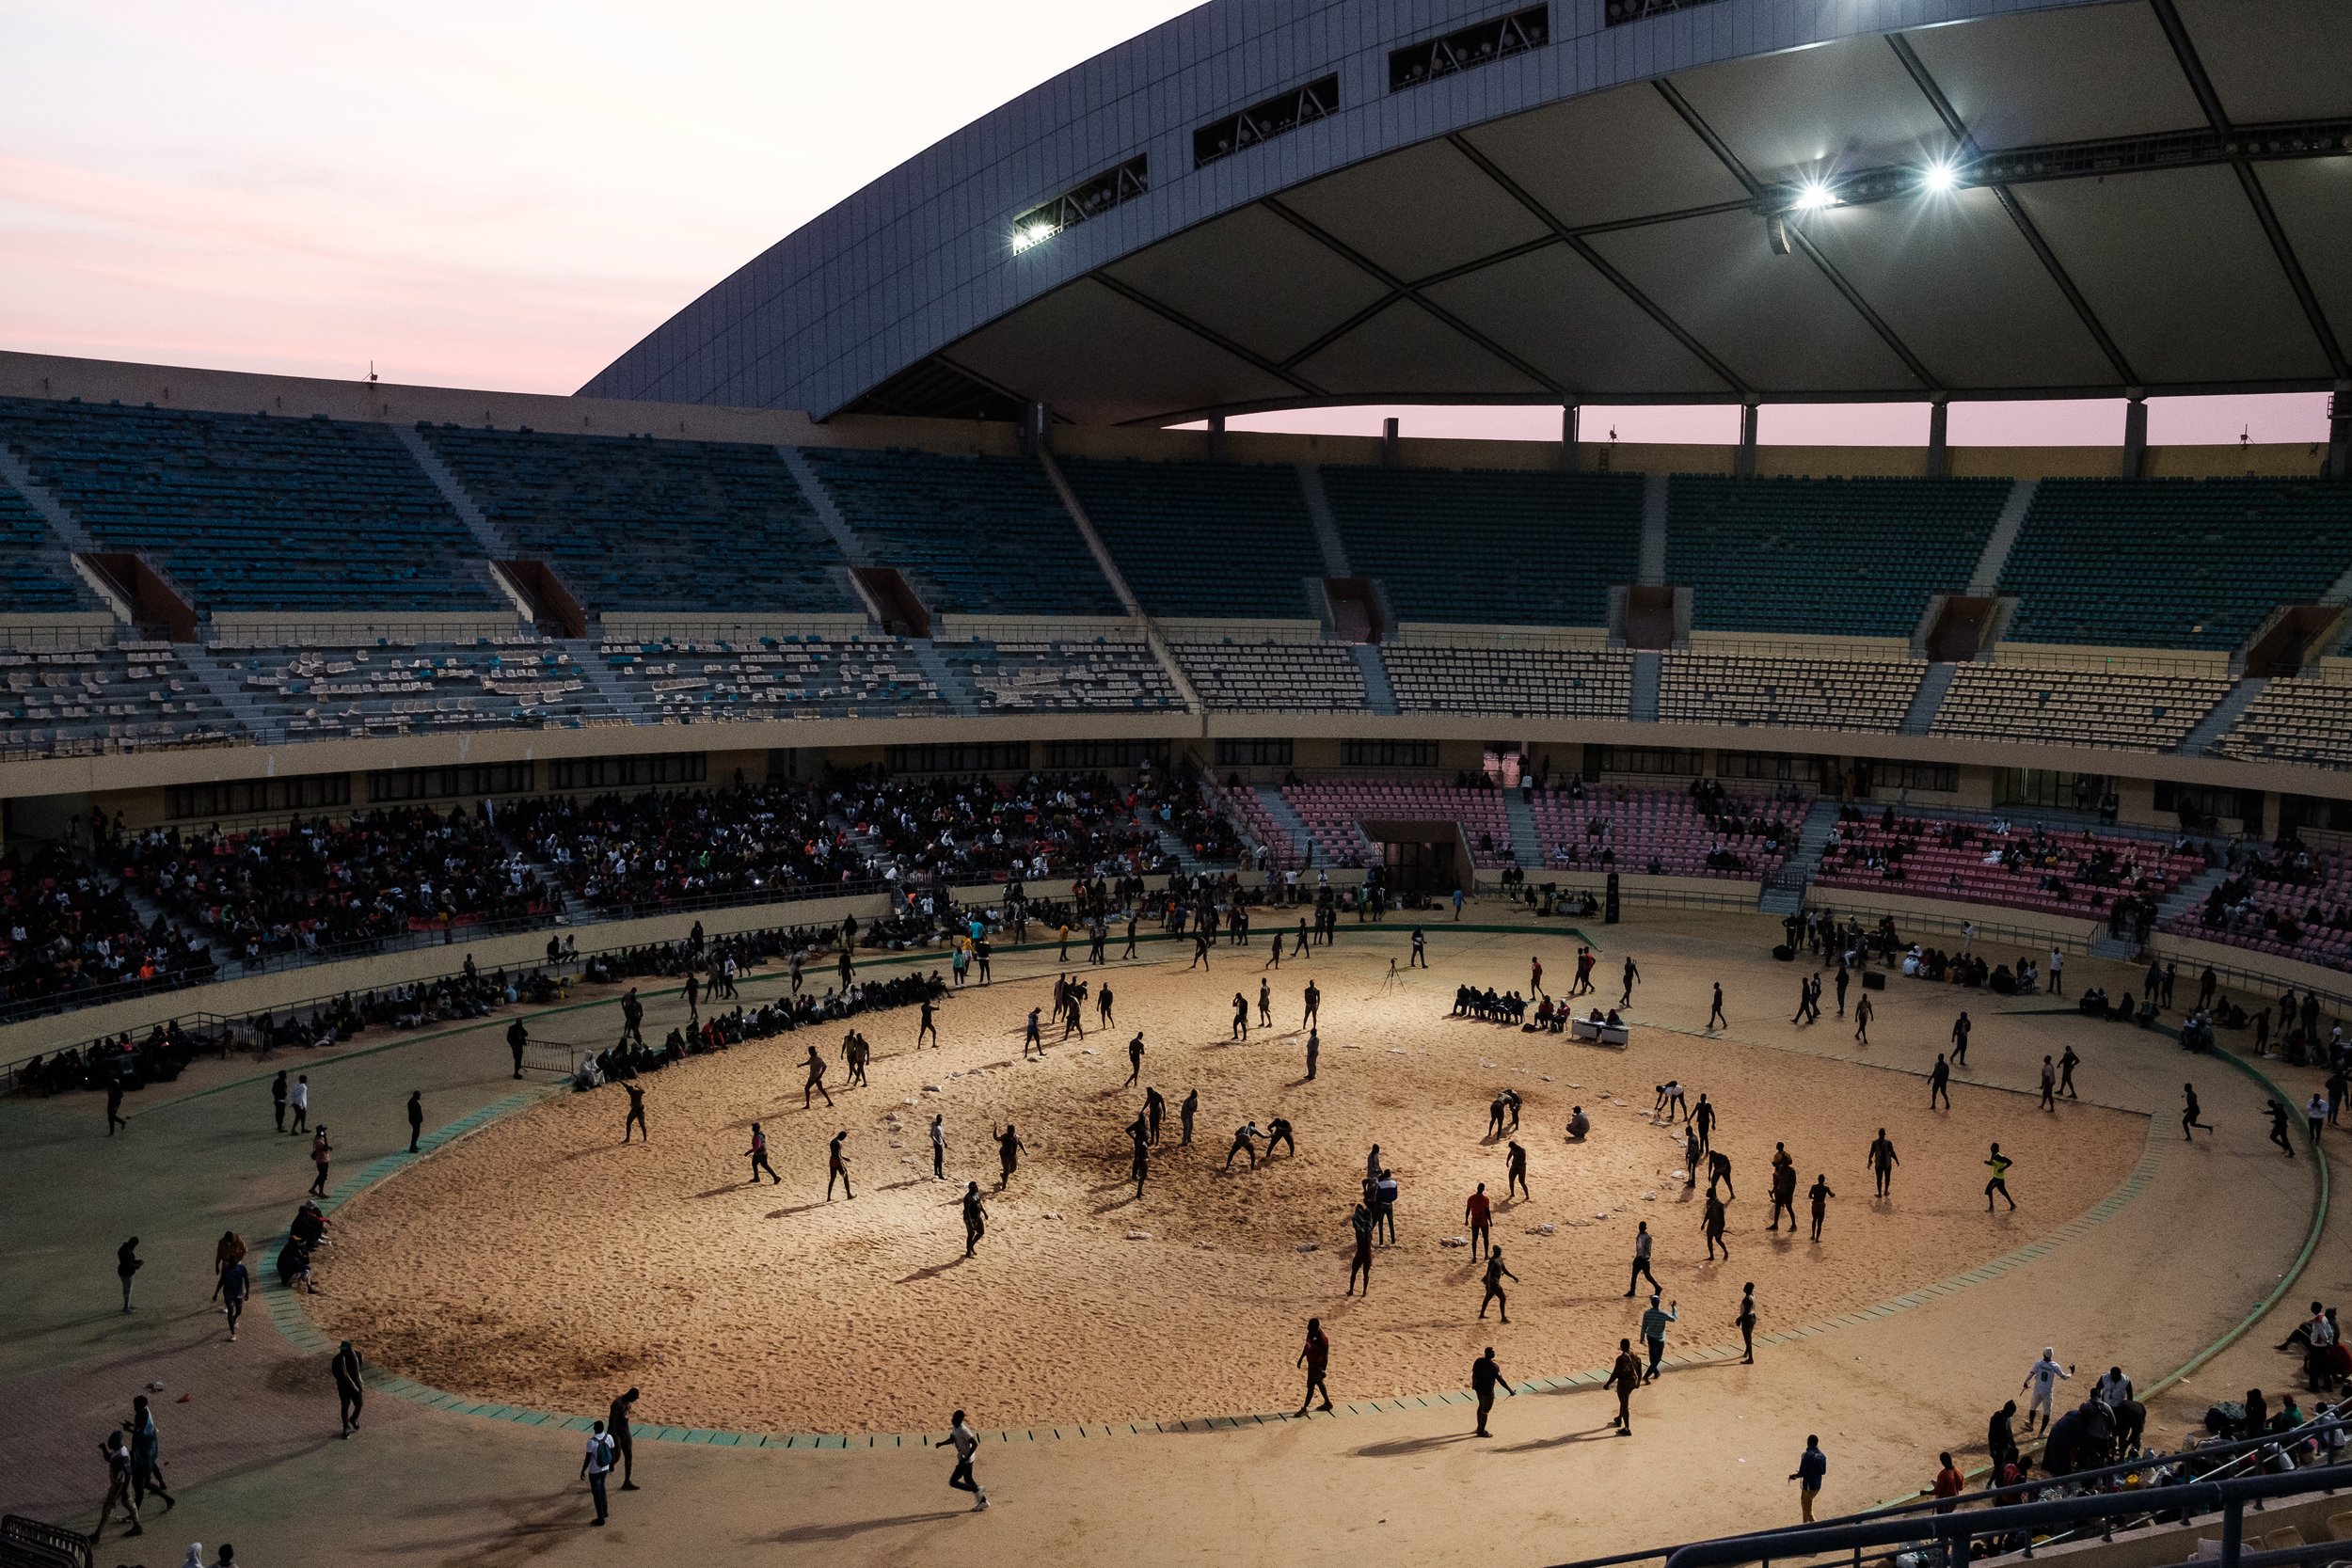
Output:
x=248 y=512
x=655 y=526
x=975 y=535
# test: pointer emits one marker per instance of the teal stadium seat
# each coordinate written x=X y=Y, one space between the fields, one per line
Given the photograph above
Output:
x=248 y=512
x=29 y=584
x=660 y=526
x=1809 y=557
x=1210 y=540
x=2172 y=563
x=1489 y=545
x=974 y=536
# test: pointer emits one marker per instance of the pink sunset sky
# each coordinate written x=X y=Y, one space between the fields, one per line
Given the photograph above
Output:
x=508 y=195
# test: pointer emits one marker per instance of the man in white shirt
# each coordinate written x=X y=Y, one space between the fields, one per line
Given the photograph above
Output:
x=298 y=1102
x=596 y=1464
x=2057 y=972
x=2113 y=1389
x=965 y=1442
x=2042 y=1378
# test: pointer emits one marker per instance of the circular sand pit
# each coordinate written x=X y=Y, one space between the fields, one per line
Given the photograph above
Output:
x=539 y=1262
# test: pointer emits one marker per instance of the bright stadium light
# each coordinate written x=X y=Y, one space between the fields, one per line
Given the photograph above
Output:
x=1940 y=176
x=1035 y=233
x=1813 y=196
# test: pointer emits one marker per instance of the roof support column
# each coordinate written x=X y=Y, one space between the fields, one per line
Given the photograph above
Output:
x=1743 y=461
x=1568 y=456
x=1939 y=441
x=2136 y=438
x=1216 y=438
x=1387 y=443
x=2340 y=432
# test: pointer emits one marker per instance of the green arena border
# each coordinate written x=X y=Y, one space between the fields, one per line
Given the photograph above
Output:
x=2262 y=1308
x=288 y=1316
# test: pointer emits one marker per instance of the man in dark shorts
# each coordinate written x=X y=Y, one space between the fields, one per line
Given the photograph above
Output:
x=1496 y=1274
x=616 y=1427
x=974 y=1217
x=1360 y=1224
x=636 y=1116
x=1009 y=1151
x=1479 y=1215
x=838 y=1166
x=1485 y=1376
x=1883 y=1160
x=1316 y=1358
x=758 y=1153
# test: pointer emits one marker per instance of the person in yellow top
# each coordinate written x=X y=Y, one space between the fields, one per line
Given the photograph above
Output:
x=1999 y=1165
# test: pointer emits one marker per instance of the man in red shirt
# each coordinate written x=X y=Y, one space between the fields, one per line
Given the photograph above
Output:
x=1479 y=1215
x=1950 y=1483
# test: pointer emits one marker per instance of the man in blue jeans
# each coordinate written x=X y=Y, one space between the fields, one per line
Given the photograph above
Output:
x=1811 y=1466
x=598 y=1463
x=1654 y=1323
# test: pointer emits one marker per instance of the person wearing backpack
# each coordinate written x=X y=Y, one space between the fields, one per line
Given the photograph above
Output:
x=596 y=1463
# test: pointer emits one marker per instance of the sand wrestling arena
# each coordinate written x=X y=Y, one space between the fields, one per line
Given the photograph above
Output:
x=1126 y=1357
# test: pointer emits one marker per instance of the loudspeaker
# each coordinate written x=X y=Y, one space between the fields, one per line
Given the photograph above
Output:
x=1874 y=979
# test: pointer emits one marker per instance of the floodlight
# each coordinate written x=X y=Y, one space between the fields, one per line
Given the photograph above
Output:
x=1814 y=196
x=1940 y=176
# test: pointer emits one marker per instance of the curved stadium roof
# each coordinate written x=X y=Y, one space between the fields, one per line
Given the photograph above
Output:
x=1263 y=205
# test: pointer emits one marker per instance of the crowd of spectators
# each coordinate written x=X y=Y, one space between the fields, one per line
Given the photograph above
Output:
x=319 y=886
x=70 y=932
x=2287 y=899
x=2120 y=879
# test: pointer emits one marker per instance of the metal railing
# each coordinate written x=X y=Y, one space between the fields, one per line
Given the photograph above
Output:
x=1982 y=1512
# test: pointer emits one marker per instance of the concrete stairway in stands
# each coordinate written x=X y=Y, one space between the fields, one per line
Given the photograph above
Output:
x=813 y=490
x=1327 y=527
x=1784 y=891
x=599 y=675
x=953 y=689
x=1929 y=697
x=1647 y=670
x=1177 y=849
x=1526 y=843
x=1379 y=694
x=486 y=534
x=2225 y=713
x=1287 y=820
x=228 y=689
x=1998 y=543
x=1653 y=569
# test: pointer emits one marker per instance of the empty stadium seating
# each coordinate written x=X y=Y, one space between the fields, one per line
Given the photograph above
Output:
x=681 y=681
x=1548 y=682
x=2076 y=707
x=1204 y=539
x=2172 y=563
x=398 y=688
x=1664 y=827
x=121 y=695
x=2076 y=874
x=1859 y=557
x=975 y=535
x=653 y=526
x=1311 y=676
x=2295 y=721
x=1811 y=693
x=33 y=574
x=1491 y=546
x=1100 y=675
x=251 y=513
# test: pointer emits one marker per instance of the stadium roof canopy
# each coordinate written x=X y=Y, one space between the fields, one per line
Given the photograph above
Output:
x=1261 y=205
